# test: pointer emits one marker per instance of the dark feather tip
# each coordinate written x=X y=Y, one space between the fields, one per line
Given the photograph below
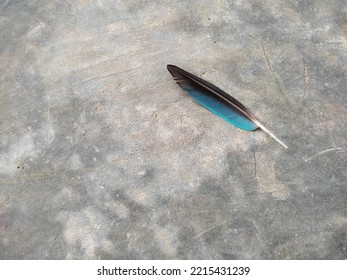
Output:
x=171 y=68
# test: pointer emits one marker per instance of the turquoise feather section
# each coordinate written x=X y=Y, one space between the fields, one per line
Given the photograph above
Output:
x=221 y=108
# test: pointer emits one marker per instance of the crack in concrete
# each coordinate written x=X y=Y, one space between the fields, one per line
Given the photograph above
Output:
x=255 y=172
x=323 y=152
x=210 y=229
x=305 y=81
x=271 y=68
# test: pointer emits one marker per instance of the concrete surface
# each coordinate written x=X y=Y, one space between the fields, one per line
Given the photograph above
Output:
x=103 y=156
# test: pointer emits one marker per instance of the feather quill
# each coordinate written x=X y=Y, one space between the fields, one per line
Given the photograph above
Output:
x=217 y=101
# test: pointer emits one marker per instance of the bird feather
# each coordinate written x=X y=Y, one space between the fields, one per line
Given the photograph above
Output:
x=217 y=101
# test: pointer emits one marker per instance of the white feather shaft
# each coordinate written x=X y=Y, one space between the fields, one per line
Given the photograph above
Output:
x=270 y=133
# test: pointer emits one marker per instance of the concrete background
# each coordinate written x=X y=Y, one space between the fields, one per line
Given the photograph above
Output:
x=103 y=156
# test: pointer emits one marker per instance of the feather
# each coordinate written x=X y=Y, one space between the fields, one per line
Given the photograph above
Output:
x=217 y=101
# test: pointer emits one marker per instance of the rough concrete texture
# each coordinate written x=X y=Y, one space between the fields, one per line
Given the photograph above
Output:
x=103 y=156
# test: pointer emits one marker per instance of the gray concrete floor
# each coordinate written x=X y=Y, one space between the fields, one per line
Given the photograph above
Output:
x=103 y=156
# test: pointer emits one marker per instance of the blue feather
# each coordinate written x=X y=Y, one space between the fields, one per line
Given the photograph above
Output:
x=222 y=109
x=217 y=101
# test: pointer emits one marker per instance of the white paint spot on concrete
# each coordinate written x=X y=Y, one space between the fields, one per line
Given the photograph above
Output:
x=17 y=151
x=75 y=162
x=37 y=31
x=266 y=177
x=85 y=233
x=166 y=239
